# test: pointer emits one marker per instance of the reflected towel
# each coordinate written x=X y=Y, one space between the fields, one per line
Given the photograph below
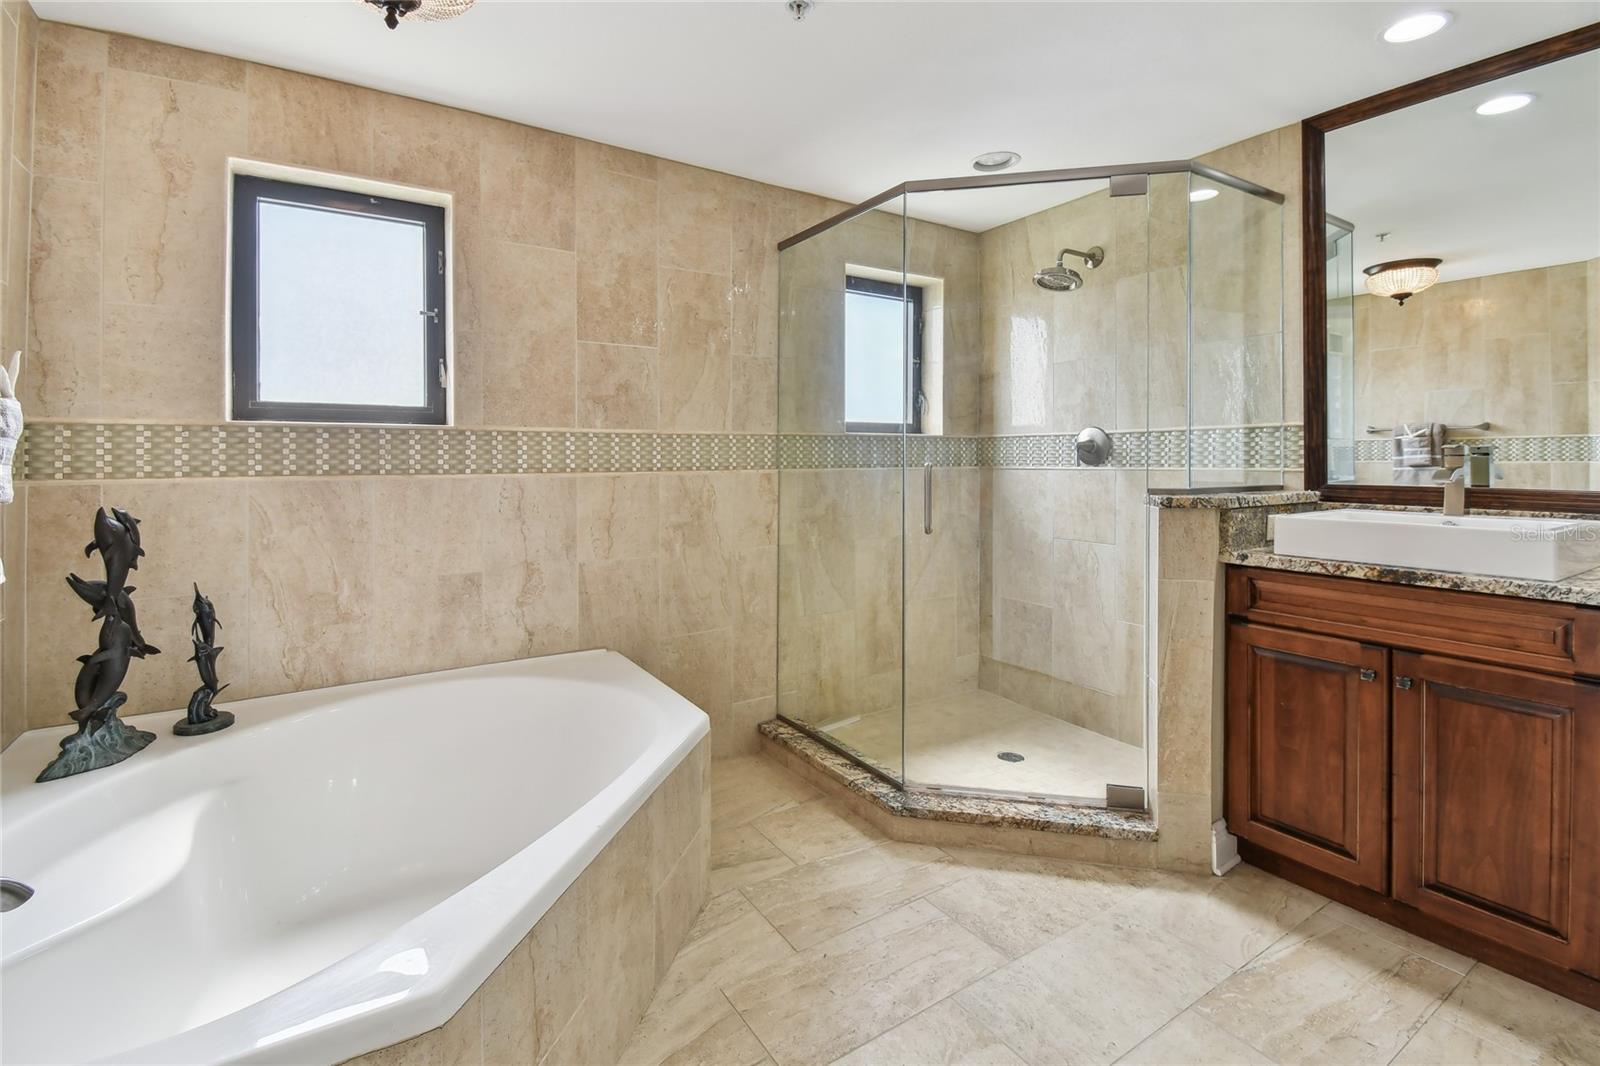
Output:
x=1418 y=452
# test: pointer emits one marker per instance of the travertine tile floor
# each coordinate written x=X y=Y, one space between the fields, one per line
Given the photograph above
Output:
x=956 y=739
x=824 y=942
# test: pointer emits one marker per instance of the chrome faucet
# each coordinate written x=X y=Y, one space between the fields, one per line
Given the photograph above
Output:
x=1470 y=466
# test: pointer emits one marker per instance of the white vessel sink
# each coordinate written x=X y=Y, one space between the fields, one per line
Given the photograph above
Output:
x=1536 y=549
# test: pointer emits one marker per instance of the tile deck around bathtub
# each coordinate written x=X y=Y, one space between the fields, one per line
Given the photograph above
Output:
x=825 y=942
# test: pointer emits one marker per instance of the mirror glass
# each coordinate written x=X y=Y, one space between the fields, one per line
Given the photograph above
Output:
x=1463 y=241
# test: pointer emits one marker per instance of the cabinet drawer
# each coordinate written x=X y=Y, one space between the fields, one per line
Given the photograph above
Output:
x=1557 y=638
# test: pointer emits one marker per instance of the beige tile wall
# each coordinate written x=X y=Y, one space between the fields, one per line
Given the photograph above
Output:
x=19 y=35
x=595 y=288
x=332 y=580
x=1516 y=350
x=572 y=989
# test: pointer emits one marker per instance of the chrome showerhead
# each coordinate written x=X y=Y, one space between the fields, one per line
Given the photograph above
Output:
x=1062 y=278
x=1058 y=279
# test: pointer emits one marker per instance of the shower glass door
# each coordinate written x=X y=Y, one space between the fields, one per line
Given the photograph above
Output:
x=847 y=361
x=1025 y=570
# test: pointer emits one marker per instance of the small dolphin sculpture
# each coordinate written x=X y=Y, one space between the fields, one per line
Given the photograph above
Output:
x=202 y=717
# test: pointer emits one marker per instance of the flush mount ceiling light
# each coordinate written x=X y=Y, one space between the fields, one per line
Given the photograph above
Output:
x=418 y=10
x=1401 y=279
x=1416 y=27
x=989 y=162
x=1502 y=105
x=1197 y=196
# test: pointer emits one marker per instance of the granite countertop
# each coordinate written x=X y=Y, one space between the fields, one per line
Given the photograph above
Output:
x=1230 y=500
x=1582 y=588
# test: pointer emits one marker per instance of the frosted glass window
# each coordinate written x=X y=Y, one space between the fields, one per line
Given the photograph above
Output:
x=340 y=317
x=875 y=364
x=338 y=305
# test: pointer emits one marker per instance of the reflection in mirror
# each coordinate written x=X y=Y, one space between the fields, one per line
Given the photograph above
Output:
x=1496 y=342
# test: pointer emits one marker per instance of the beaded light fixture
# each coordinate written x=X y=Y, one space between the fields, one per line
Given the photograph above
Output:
x=418 y=10
x=1401 y=279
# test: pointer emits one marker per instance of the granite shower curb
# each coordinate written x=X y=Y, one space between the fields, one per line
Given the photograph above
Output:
x=968 y=810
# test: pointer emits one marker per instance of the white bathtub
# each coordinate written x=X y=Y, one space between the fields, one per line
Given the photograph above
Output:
x=337 y=872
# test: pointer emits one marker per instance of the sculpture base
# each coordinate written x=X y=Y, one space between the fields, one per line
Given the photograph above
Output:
x=84 y=751
x=186 y=728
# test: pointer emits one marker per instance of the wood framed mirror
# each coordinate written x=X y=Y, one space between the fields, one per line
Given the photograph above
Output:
x=1489 y=175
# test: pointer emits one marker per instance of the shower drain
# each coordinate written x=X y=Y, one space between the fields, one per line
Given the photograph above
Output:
x=1009 y=756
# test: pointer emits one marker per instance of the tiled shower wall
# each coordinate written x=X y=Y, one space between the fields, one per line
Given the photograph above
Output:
x=1183 y=325
x=595 y=289
x=1063 y=550
x=1520 y=351
x=19 y=35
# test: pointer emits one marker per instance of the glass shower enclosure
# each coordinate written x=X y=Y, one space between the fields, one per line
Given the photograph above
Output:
x=980 y=380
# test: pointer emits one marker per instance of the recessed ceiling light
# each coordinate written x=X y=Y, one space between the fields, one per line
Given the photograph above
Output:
x=989 y=162
x=1500 y=105
x=1198 y=195
x=1416 y=27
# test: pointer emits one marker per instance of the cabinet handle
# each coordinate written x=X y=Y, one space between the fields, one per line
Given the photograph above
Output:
x=1369 y=675
x=1402 y=682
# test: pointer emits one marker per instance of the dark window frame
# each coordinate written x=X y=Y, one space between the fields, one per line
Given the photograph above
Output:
x=247 y=406
x=910 y=296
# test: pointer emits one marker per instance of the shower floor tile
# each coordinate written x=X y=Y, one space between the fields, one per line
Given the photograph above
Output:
x=956 y=740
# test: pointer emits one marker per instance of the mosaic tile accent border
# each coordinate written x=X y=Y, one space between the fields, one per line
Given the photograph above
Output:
x=1213 y=448
x=92 y=451
x=1573 y=448
x=105 y=451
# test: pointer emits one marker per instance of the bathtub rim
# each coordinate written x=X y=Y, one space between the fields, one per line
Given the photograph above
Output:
x=364 y=1001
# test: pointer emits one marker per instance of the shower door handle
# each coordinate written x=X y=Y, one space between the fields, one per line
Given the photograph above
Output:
x=927 y=496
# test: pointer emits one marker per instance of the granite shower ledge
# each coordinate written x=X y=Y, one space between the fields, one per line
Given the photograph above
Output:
x=1581 y=589
x=1229 y=501
x=970 y=810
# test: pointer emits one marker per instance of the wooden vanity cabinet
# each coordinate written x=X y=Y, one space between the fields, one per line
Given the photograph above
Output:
x=1436 y=752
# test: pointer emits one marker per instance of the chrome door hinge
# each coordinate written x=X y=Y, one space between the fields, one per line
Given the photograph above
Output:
x=1402 y=682
x=1369 y=675
x=441 y=260
x=444 y=375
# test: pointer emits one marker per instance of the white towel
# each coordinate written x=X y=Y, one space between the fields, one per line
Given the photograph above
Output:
x=10 y=434
x=10 y=425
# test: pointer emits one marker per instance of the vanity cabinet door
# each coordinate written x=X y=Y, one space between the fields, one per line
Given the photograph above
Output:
x=1308 y=749
x=1497 y=804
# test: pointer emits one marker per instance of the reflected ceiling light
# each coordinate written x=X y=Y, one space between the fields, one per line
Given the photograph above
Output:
x=1502 y=105
x=1401 y=279
x=1200 y=195
x=989 y=162
x=1416 y=27
x=418 y=10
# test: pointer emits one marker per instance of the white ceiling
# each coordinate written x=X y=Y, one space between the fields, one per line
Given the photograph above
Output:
x=861 y=95
x=1485 y=193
